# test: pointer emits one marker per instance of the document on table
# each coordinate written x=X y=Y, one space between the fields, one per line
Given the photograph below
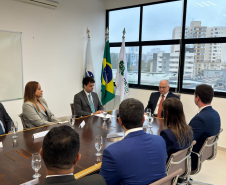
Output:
x=102 y=115
x=82 y=124
x=62 y=122
x=40 y=134
x=32 y=182
x=119 y=134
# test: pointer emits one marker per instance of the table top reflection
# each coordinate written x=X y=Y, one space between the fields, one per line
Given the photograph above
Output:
x=15 y=155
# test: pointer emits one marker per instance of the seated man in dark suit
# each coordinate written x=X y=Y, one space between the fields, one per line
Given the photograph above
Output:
x=139 y=158
x=60 y=154
x=156 y=98
x=207 y=122
x=87 y=102
x=5 y=121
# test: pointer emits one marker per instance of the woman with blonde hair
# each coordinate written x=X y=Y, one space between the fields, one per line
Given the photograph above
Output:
x=177 y=134
x=35 y=109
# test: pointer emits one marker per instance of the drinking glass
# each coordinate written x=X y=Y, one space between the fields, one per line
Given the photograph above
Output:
x=150 y=120
x=14 y=128
x=148 y=111
x=72 y=120
x=36 y=164
x=98 y=144
x=105 y=114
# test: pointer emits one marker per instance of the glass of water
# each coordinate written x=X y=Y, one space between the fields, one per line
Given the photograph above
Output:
x=72 y=120
x=105 y=114
x=148 y=111
x=14 y=128
x=150 y=120
x=98 y=144
x=36 y=164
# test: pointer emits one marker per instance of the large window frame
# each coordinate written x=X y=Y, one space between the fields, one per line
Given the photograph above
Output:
x=182 y=42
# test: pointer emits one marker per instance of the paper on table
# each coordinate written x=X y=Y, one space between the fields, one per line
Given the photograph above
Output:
x=62 y=122
x=82 y=124
x=102 y=115
x=119 y=134
x=40 y=134
x=32 y=182
x=1 y=145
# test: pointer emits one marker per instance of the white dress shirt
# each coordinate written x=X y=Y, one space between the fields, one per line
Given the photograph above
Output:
x=87 y=94
x=203 y=108
x=160 y=98
x=3 y=128
x=133 y=130
x=58 y=175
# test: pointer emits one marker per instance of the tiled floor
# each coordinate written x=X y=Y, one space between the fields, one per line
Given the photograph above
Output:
x=213 y=171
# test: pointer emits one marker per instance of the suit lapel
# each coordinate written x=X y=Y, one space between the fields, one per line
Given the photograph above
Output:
x=156 y=100
x=86 y=98
x=168 y=95
x=42 y=110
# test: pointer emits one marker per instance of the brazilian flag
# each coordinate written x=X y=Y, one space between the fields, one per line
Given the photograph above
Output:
x=107 y=85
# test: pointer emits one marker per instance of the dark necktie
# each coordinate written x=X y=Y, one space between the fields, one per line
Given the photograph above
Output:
x=160 y=107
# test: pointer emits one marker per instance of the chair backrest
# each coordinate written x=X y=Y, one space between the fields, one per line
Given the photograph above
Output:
x=169 y=180
x=23 y=122
x=72 y=109
x=207 y=152
x=178 y=95
x=180 y=159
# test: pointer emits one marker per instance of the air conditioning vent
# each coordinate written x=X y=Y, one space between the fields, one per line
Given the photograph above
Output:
x=45 y=3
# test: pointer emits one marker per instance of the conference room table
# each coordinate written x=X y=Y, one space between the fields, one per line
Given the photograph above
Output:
x=15 y=155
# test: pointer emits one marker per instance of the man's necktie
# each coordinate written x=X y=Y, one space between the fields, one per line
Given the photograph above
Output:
x=1 y=130
x=160 y=107
x=91 y=104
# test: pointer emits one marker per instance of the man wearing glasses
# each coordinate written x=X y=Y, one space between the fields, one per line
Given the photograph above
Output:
x=156 y=99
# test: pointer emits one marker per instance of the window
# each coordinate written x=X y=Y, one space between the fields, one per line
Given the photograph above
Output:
x=157 y=27
x=132 y=58
x=159 y=47
x=159 y=62
x=126 y=18
x=207 y=72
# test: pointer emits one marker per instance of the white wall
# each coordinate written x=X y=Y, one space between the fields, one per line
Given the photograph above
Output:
x=54 y=45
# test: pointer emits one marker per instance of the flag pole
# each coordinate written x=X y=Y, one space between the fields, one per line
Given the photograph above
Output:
x=88 y=32
x=106 y=39
x=123 y=38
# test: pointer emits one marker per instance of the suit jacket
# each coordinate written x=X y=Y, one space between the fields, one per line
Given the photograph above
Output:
x=34 y=118
x=153 y=100
x=82 y=105
x=70 y=180
x=138 y=159
x=5 y=119
x=172 y=145
x=205 y=124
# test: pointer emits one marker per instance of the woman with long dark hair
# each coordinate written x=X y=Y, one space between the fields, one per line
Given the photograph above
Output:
x=35 y=109
x=177 y=134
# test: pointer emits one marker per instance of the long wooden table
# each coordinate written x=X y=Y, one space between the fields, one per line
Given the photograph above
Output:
x=15 y=156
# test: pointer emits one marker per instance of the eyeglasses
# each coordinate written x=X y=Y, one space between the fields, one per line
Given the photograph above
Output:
x=162 y=87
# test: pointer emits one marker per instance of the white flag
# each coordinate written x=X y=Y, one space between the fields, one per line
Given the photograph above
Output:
x=89 y=62
x=122 y=85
